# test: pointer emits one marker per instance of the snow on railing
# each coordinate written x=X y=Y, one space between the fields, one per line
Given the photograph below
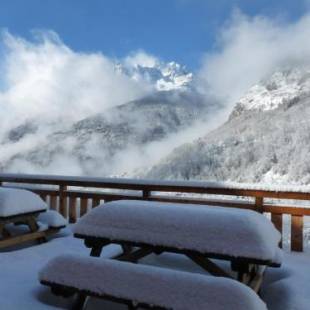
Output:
x=74 y=196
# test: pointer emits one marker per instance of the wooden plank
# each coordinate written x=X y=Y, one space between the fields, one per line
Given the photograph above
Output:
x=83 y=206
x=136 y=255
x=210 y=202
x=259 y=201
x=95 y=202
x=279 y=209
x=53 y=202
x=164 y=186
x=63 y=201
x=21 y=239
x=208 y=265
x=72 y=210
x=268 y=208
x=297 y=233
x=38 y=235
x=277 y=220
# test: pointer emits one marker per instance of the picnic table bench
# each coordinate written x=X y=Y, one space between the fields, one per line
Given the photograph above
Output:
x=148 y=287
x=22 y=207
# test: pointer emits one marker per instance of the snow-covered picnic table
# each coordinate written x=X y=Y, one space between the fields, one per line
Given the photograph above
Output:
x=19 y=206
x=244 y=237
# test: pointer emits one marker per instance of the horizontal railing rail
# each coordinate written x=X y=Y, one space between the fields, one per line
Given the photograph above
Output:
x=75 y=196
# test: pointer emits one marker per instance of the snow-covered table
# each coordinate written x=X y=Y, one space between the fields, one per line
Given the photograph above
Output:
x=245 y=238
x=18 y=206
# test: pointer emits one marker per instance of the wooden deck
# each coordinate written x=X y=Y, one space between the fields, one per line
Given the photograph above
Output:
x=74 y=196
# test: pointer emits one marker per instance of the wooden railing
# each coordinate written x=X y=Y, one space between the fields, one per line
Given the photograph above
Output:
x=75 y=196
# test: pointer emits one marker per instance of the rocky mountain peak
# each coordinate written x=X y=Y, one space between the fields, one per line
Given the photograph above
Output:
x=163 y=76
x=285 y=87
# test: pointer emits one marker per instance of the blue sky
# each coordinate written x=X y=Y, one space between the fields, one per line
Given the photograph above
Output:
x=180 y=30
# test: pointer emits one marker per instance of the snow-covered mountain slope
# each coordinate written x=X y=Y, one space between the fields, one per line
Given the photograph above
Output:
x=163 y=76
x=266 y=139
x=93 y=146
x=283 y=87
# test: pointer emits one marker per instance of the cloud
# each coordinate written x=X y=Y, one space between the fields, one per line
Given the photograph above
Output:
x=45 y=81
x=46 y=85
x=250 y=48
x=141 y=58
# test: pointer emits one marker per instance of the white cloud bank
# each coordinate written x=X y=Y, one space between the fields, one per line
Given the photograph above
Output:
x=46 y=81
x=250 y=48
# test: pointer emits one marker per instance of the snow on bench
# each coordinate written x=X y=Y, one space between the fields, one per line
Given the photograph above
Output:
x=148 y=285
x=206 y=229
x=52 y=219
x=19 y=201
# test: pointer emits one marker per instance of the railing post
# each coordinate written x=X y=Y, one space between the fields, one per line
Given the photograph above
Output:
x=83 y=206
x=297 y=233
x=277 y=221
x=63 y=201
x=95 y=202
x=72 y=210
x=146 y=194
x=53 y=202
x=259 y=201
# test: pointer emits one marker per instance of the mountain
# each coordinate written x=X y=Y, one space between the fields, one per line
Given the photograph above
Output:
x=163 y=76
x=92 y=146
x=265 y=139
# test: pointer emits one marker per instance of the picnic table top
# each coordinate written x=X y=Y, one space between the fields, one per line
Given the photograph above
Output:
x=205 y=229
x=15 y=201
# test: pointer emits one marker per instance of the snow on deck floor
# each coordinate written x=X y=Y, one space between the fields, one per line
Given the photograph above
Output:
x=288 y=288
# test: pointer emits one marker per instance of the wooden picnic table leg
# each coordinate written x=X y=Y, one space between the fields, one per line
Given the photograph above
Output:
x=80 y=302
x=96 y=250
x=95 y=246
x=242 y=269
x=134 y=256
x=33 y=226
x=127 y=249
x=4 y=232
x=208 y=265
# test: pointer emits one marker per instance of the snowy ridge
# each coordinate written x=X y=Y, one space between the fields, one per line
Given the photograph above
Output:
x=283 y=87
x=163 y=76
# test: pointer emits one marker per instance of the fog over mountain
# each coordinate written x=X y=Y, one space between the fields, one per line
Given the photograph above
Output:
x=71 y=113
x=242 y=116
